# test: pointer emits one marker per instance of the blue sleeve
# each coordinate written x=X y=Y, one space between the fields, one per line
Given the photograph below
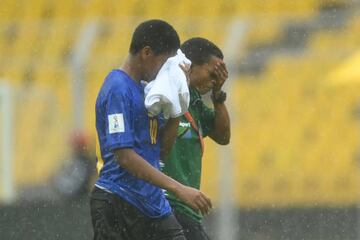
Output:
x=119 y=121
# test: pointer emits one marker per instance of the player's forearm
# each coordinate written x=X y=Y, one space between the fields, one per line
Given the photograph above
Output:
x=168 y=136
x=221 y=133
x=140 y=168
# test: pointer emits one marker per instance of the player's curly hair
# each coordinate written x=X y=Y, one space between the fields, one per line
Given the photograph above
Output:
x=200 y=50
x=159 y=35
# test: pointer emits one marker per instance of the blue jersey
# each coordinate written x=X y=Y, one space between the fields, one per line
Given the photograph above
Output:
x=122 y=122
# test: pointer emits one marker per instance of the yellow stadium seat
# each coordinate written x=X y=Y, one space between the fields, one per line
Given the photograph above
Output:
x=293 y=139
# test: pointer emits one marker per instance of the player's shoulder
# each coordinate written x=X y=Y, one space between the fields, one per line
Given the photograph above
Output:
x=117 y=82
x=117 y=79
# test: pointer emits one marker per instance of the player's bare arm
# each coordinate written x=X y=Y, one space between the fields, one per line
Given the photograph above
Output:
x=168 y=135
x=221 y=131
x=139 y=167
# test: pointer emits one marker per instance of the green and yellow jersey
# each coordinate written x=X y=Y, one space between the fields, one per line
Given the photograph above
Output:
x=184 y=161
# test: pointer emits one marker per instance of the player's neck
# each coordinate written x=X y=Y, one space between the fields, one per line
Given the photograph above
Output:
x=131 y=68
x=192 y=84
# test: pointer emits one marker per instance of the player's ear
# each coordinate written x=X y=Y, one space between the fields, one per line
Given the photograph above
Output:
x=146 y=52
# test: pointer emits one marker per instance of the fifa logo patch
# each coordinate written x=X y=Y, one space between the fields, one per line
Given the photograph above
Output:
x=116 y=123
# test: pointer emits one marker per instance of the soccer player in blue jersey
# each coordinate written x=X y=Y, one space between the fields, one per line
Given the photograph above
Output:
x=128 y=200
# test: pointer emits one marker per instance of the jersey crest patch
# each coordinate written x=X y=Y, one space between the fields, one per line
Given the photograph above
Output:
x=116 y=123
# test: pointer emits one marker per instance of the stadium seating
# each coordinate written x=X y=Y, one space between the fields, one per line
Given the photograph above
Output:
x=311 y=156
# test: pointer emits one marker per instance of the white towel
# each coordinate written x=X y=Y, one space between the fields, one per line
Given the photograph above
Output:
x=169 y=92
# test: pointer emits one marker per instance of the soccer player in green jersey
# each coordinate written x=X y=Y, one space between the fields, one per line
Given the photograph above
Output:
x=207 y=73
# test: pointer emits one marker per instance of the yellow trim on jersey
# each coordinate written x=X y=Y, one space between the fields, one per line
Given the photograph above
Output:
x=156 y=131
x=100 y=161
x=153 y=130
x=150 y=130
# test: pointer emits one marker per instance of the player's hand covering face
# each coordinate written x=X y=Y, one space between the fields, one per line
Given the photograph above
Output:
x=186 y=70
x=208 y=76
x=221 y=74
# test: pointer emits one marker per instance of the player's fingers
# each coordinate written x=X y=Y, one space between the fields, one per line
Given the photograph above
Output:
x=221 y=65
x=208 y=201
x=194 y=205
x=204 y=206
x=186 y=69
x=226 y=74
x=182 y=67
x=223 y=70
x=185 y=66
x=218 y=72
x=221 y=73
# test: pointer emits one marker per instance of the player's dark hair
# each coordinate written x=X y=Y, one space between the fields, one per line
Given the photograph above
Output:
x=160 y=36
x=200 y=50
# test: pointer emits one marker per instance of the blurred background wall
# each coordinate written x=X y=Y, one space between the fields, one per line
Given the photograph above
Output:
x=292 y=168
